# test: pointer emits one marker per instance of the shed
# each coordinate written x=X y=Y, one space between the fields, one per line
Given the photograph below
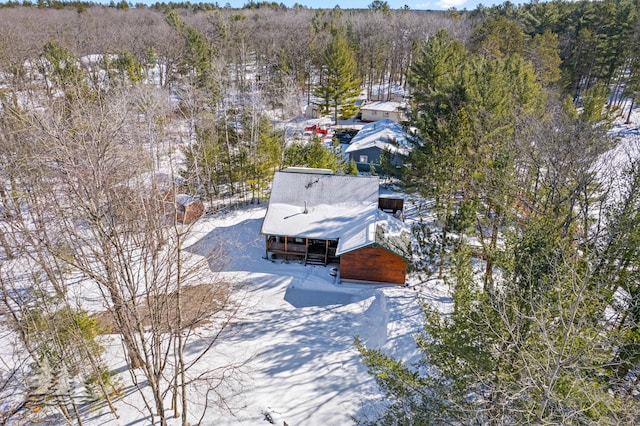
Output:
x=188 y=209
x=312 y=111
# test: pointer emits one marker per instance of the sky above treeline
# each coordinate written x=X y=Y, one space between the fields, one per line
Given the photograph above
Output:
x=363 y=4
x=394 y=4
x=355 y=4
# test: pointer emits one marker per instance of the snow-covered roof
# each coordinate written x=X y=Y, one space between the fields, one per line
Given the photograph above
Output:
x=333 y=207
x=185 y=200
x=378 y=228
x=389 y=106
x=314 y=205
x=383 y=134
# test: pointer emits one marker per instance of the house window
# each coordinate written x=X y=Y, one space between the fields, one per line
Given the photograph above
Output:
x=374 y=112
x=364 y=159
x=386 y=114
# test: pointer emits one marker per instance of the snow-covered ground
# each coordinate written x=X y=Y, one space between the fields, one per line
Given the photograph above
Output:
x=615 y=162
x=293 y=336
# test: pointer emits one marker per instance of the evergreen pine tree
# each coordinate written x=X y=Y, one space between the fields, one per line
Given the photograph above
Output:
x=353 y=167
x=544 y=53
x=537 y=354
x=433 y=168
x=197 y=51
x=63 y=70
x=318 y=156
x=340 y=88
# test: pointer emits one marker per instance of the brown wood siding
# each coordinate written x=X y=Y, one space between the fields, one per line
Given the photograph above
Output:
x=395 y=204
x=193 y=212
x=373 y=264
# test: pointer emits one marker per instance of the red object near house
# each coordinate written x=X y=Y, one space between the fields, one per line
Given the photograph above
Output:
x=316 y=129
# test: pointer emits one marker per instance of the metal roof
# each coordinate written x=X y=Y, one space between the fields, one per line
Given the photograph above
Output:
x=185 y=199
x=312 y=205
x=333 y=207
x=383 y=134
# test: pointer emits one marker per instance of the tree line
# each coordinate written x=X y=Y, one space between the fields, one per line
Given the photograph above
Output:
x=534 y=232
x=512 y=106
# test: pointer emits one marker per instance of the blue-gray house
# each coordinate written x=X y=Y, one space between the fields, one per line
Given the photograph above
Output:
x=367 y=145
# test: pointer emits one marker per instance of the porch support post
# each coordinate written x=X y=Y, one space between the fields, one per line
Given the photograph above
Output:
x=326 y=252
x=306 y=250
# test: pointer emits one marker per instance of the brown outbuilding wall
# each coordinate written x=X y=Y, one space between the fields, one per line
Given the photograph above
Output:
x=188 y=209
x=193 y=212
x=373 y=264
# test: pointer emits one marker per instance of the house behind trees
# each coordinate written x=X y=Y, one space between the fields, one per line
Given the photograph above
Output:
x=381 y=110
x=367 y=145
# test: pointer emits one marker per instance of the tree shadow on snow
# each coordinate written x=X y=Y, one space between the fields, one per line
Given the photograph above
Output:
x=236 y=247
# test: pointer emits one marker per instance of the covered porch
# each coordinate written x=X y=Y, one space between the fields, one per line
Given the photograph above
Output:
x=311 y=250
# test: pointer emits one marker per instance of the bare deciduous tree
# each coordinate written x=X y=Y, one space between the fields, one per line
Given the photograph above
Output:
x=95 y=209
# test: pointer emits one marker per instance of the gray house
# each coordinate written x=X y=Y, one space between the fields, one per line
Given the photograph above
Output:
x=367 y=145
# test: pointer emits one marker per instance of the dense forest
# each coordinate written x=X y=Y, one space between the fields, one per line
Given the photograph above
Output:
x=107 y=107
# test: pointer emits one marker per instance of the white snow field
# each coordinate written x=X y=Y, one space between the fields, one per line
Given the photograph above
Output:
x=293 y=336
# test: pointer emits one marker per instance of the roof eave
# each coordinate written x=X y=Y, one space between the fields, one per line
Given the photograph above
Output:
x=375 y=244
